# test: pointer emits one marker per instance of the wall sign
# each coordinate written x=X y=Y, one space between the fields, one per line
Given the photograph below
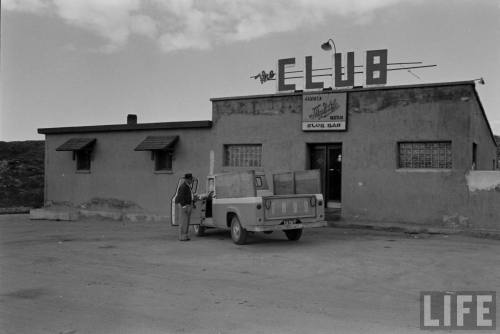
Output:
x=324 y=112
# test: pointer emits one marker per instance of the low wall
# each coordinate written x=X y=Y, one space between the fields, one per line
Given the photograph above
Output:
x=453 y=202
x=483 y=206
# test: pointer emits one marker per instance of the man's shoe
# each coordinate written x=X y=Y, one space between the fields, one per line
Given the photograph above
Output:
x=187 y=239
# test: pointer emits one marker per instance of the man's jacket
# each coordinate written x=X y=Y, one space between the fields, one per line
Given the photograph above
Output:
x=184 y=195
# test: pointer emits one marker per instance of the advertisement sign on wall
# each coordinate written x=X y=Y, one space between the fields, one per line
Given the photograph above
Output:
x=324 y=112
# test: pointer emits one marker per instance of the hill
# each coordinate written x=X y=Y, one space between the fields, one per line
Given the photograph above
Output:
x=497 y=139
x=21 y=175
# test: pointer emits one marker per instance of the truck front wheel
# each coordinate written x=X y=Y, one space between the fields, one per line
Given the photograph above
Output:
x=238 y=233
x=293 y=235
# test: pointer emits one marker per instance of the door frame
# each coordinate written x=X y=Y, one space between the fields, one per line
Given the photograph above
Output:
x=325 y=175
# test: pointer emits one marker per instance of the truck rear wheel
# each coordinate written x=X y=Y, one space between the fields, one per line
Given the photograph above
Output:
x=293 y=235
x=199 y=230
x=238 y=233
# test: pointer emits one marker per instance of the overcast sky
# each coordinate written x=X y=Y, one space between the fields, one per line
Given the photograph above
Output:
x=90 y=62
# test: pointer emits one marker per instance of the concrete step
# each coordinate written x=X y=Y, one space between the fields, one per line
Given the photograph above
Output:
x=47 y=214
x=333 y=214
x=71 y=214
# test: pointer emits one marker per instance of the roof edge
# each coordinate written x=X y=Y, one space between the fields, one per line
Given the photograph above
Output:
x=484 y=116
x=350 y=90
x=127 y=127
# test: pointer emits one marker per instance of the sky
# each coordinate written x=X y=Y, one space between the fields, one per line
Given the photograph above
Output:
x=92 y=62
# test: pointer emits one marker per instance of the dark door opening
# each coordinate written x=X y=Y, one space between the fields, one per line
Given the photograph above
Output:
x=328 y=159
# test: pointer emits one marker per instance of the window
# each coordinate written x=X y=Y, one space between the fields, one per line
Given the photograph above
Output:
x=82 y=151
x=424 y=155
x=246 y=155
x=162 y=150
x=258 y=181
x=211 y=185
x=163 y=160
x=83 y=159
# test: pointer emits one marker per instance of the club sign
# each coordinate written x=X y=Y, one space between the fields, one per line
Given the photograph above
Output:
x=374 y=65
x=327 y=111
x=376 y=71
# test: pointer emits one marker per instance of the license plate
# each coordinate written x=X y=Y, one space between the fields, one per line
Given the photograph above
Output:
x=289 y=221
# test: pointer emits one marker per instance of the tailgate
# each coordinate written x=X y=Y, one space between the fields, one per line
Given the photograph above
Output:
x=289 y=206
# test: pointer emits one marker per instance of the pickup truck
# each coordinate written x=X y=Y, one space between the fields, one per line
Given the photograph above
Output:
x=243 y=203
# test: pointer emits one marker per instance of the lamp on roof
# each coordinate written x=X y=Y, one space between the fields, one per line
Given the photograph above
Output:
x=327 y=46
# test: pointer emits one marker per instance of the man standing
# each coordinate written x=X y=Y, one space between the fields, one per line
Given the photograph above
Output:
x=185 y=200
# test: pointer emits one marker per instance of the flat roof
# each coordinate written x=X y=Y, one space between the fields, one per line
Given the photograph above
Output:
x=128 y=127
x=348 y=90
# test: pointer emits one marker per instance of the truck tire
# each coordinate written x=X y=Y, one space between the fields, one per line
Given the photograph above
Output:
x=199 y=230
x=238 y=233
x=293 y=235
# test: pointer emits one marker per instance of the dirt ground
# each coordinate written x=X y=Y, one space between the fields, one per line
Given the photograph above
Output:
x=113 y=277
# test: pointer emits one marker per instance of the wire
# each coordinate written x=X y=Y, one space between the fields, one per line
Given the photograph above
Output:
x=416 y=76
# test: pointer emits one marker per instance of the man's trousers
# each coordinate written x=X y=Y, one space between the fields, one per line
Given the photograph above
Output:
x=184 y=220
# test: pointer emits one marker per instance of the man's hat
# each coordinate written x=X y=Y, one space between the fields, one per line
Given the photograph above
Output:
x=188 y=176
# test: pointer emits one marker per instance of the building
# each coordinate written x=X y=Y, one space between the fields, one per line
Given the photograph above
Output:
x=399 y=153
x=497 y=139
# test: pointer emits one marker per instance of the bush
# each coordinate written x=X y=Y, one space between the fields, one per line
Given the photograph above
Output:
x=21 y=174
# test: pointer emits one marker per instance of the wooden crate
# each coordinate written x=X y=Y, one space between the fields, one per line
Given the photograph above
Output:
x=297 y=182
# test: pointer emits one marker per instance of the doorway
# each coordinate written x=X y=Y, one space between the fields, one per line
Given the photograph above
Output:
x=328 y=159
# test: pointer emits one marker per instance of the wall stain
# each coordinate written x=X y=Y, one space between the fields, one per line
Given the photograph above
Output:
x=258 y=107
x=33 y=293
x=107 y=247
x=45 y=260
x=378 y=100
x=369 y=101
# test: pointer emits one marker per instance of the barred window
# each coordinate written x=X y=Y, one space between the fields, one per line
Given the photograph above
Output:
x=424 y=155
x=246 y=155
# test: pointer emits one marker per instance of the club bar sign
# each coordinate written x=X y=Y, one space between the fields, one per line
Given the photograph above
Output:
x=324 y=112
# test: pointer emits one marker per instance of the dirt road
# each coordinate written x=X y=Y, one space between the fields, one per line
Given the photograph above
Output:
x=115 y=277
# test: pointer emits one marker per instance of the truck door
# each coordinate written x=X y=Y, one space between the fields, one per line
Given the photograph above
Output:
x=196 y=213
